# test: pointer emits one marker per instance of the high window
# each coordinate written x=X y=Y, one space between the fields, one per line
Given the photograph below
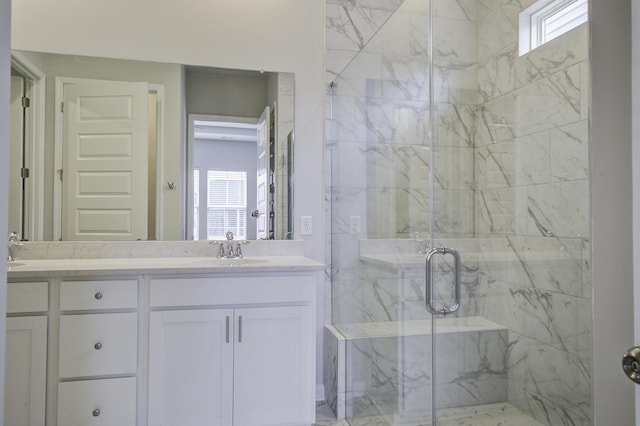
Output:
x=547 y=19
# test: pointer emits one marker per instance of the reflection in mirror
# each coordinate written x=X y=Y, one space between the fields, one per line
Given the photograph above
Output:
x=97 y=149
x=237 y=154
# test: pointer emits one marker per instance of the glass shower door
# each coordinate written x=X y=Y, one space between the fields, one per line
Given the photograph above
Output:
x=379 y=152
x=509 y=192
x=445 y=145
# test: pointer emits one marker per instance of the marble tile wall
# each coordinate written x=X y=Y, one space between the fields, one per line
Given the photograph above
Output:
x=377 y=145
x=532 y=190
x=510 y=169
x=391 y=374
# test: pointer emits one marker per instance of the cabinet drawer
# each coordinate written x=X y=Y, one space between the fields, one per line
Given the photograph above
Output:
x=27 y=297
x=231 y=290
x=89 y=295
x=104 y=402
x=98 y=344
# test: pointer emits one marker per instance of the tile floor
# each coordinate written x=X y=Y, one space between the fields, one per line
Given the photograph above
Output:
x=502 y=414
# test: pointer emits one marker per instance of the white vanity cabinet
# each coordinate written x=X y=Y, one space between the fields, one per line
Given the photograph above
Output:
x=97 y=355
x=153 y=343
x=26 y=354
x=232 y=351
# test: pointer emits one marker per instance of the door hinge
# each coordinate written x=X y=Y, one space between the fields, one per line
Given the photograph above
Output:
x=26 y=102
x=62 y=107
x=60 y=173
x=24 y=173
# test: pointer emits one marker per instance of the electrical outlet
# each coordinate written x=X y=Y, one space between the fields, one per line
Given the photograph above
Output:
x=305 y=225
x=354 y=224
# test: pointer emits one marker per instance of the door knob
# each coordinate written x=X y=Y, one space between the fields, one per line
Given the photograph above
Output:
x=255 y=213
x=631 y=364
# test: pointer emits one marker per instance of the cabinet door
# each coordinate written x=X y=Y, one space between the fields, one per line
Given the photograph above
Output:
x=25 y=371
x=191 y=368
x=274 y=366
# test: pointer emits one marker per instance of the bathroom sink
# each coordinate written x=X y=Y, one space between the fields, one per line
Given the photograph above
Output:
x=244 y=261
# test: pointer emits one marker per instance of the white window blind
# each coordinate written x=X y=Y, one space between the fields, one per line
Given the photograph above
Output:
x=196 y=204
x=547 y=19
x=226 y=204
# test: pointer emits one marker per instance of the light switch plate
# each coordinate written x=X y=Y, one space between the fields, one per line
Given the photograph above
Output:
x=306 y=226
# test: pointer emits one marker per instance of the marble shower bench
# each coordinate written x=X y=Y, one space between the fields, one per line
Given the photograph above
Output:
x=385 y=368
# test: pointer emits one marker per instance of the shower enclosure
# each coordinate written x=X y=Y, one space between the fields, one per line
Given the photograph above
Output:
x=459 y=199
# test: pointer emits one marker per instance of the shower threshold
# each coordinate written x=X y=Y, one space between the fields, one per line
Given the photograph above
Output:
x=500 y=414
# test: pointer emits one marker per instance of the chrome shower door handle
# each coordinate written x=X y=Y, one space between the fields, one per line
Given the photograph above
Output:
x=631 y=364
x=444 y=310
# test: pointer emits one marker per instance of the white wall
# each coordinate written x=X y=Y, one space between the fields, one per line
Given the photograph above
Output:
x=5 y=59
x=611 y=209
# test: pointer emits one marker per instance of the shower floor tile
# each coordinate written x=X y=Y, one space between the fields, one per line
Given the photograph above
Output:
x=502 y=414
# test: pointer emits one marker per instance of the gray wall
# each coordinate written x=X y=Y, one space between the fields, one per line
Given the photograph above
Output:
x=225 y=94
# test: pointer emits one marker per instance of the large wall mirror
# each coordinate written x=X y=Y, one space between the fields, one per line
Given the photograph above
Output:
x=101 y=148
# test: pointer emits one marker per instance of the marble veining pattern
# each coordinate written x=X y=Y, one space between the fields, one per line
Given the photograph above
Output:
x=510 y=166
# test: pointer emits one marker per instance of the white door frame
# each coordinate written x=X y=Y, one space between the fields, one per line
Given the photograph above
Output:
x=58 y=140
x=611 y=172
x=635 y=120
x=35 y=135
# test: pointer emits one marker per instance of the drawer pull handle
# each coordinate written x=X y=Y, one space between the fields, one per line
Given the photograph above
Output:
x=97 y=347
x=98 y=296
x=96 y=412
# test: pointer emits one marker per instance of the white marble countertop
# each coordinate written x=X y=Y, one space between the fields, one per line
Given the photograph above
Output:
x=45 y=268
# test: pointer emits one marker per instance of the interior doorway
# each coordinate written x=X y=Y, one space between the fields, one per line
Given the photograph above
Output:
x=26 y=149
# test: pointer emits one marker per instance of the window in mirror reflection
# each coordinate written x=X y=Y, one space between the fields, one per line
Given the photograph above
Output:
x=196 y=204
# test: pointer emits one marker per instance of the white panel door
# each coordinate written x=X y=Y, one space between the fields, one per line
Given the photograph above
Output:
x=105 y=161
x=262 y=181
x=274 y=366
x=25 y=371
x=191 y=368
x=15 y=154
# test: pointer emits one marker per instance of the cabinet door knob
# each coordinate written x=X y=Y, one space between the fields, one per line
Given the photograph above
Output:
x=98 y=346
x=96 y=412
x=98 y=296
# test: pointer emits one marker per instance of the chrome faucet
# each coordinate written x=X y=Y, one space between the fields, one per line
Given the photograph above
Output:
x=229 y=236
x=229 y=252
x=14 y=240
